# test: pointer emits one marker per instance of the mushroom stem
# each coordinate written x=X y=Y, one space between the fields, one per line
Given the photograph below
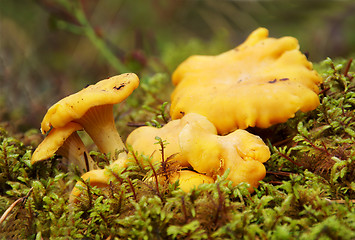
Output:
x=74 y=150
x=99 y=123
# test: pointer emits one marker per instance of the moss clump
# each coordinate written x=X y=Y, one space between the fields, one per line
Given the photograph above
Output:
x=308 y=192
x=323 y=140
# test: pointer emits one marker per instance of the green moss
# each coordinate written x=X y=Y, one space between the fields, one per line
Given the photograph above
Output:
x=308 y=192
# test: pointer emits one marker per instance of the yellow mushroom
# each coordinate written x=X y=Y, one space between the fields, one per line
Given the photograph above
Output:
x=66 y=142
x=99 y=178
x=196 y=143
x=143 y=140
x=189 y=179
x=262 y=82
x=241 y=152
x=92 y=108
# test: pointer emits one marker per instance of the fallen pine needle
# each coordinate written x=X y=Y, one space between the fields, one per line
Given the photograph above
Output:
x=20 y=200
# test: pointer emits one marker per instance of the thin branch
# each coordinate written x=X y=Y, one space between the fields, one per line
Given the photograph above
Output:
x=183 y=208
x=20 y=200
x=132 y=188
x=324 y=90
x=275 y=182
x=58 y=11
x=289 y=159
x=116 y=176
x=137 y=124
x=221 y=205
x=347 y=68
x=287 y=174
x=99 y=42
x=156 y=179
x=89 y=193
x=340 y=201
x=136 y=160
x=324 y=149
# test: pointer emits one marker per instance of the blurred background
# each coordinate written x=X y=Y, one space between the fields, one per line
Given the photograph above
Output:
x=52 y=48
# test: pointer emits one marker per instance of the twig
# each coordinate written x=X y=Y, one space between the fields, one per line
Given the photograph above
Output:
x=137 y=124
x=324 y=149
x=58 y=11
x=289 y=159
x=323 y=90
x=275 y=182
x=89 y=193
x=133 y=191
x=347 y=68
x=156 y=179
x=183 y=208
x=283 y=142
x=287 y=174
x=98 y=42
x=20 y=200
x=221 y=206
x=136 y=160
x=340 y=201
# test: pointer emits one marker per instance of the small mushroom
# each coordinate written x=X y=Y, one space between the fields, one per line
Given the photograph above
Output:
x=189 y=179
x=143 y=140
x=92 y=108
x=66 y=142
x=241 y=152
x=99 y=178
x=262 y=82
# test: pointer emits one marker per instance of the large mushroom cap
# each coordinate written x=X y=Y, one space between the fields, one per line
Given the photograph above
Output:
x=263 y=81
x=106 y=92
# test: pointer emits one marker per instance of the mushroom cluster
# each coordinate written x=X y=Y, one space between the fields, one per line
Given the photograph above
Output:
x=261 y=82
x=195 y=146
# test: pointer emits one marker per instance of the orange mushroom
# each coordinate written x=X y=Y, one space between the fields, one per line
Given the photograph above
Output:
x=262 y=82
x=189 y=179
x=97 y=178
x=240 y=152
x=66 y=142
x=92 y=108
x=143 y=139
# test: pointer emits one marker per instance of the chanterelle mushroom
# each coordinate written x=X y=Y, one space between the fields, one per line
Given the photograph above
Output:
x=241 y=152
x=66 y=142
x=92 y=108
x=97 y=178
x=189 y=179
x=263 y=81
x=143 y=139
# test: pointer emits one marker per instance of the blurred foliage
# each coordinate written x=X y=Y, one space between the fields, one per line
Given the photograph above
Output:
x=308 y=192
x=52 y=48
